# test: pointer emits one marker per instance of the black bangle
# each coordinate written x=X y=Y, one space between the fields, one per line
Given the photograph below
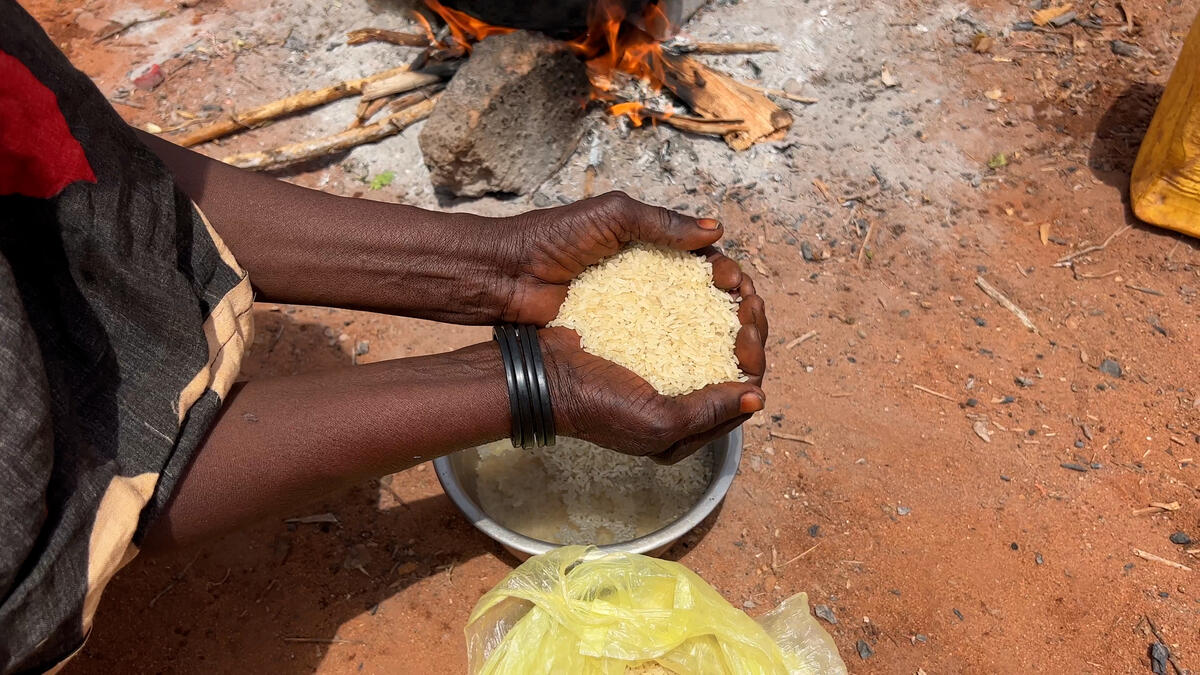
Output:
x=525 y=342
x=548 y=430
x=510 y=378
x=528 y=390
x=526 y=438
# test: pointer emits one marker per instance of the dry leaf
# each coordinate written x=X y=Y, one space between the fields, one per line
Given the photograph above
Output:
x=1044 y=233
x=994 y=94
x=982 y=431
x=982 y=44
x=152 y=128
x=1045 y=16
x=889 y=80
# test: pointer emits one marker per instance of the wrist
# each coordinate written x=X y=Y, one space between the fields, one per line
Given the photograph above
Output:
x=558 y=377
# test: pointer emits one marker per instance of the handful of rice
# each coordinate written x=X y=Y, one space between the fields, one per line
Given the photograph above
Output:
x=656 y=312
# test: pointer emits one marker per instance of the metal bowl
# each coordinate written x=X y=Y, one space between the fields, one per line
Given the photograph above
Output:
x=457 y=478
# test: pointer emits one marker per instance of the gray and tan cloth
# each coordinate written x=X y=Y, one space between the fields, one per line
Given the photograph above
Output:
x=123 y=319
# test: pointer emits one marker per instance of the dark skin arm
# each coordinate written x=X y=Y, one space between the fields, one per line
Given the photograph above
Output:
x=280 y=442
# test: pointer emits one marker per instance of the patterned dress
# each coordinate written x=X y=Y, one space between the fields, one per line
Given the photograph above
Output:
x=123 y=319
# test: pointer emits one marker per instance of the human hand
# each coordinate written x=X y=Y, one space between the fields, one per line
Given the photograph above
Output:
x=550 y=247
x=604 y=403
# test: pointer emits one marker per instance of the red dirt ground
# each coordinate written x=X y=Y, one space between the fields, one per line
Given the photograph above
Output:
x=943 y=552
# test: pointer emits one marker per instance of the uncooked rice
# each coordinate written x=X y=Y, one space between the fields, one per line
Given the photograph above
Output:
x=580 y=493
x=656 y=312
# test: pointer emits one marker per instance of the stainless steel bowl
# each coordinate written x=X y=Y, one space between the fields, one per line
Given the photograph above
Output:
x=457 y=480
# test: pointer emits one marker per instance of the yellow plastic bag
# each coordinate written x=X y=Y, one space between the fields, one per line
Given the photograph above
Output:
x=1165 y=187
x=575 y=610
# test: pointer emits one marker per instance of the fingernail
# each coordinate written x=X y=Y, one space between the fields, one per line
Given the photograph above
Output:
x=708 y=223
x=751 y=403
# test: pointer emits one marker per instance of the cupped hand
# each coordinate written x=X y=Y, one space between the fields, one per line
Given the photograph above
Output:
x=609 y=405
x=551 y=247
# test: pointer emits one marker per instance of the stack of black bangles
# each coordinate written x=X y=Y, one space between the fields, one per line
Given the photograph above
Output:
x=528 y=391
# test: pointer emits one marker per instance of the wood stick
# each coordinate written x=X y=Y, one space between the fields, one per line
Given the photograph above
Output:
x=366 y=110
x=999 y=297
x=697 y=125
x=790 y=437
x=714 y=95
x=284 y=106
x=730 y=47
x=414 y=97
x=930 y=391
x=398 y=83
x=364 y=35
x=862 y=248
x=319 y=147
x=807 y=336
x=1091 y=249
x=1153 y=558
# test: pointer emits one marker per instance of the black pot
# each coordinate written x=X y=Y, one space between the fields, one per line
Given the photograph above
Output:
x=559 y=18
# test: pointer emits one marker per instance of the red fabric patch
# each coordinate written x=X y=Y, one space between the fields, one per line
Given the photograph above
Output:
x=38 y=154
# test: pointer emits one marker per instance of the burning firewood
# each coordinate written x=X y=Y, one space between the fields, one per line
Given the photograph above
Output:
x=284 y=106
x=363 y=35
x=715 y=95
x=316 y=148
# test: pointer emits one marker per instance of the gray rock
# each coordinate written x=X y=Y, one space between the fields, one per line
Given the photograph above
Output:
x=1122 y=48
x=826 y=613
x=509 y=119
x=1181 y=538
x=1111 y=367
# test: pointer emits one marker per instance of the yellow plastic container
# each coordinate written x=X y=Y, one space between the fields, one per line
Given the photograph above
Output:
x=1165 y=186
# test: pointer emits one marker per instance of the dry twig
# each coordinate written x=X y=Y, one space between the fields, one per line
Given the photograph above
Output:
x=807 y=336
x=999 y=297
x=284 y=106
x=729 y=48
x=364 y=35
x=398 y=83
x=1063 y=261
x=791 y=437
x=1153 y=558
x=320 y=147
x=930 y=391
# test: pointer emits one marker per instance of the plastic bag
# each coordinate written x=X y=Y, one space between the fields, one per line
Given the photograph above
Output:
x=1165 y=186
x=575 y=610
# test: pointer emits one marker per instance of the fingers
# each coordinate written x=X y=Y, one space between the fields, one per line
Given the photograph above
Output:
x=686 y=447
x=656 y=225
x=702 y=411
x=727 y=274
x=753 y=312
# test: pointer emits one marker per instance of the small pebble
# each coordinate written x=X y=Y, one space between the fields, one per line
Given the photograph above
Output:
x=1005 y=478
x=1096 y=465
x=972 y=402
x=1164 y=594
x=1006 y=400
x=980 y=321
x=903 y=510
x=814 y=530
x=921 y=638
x=1122 y=48
x=959 y=615
x=1181 y=538
x=1014 y=546
x=806 y=251
x=1111 y=367
x=1037 y=558
x=1074 y=467
x=1079 y=443
x=825 y=612
x=864 y=650
x=1023 y=381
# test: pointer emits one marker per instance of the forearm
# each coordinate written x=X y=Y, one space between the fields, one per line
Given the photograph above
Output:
x=280 y=442
x=308 y=247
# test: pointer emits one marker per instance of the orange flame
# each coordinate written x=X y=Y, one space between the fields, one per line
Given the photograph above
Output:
x=614 y=43
x=465 y=28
